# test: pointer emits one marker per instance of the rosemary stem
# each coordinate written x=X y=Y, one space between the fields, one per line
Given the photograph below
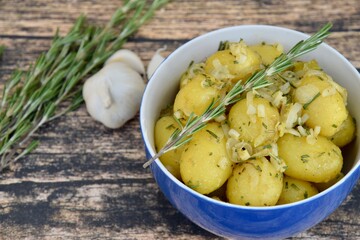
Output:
x=34 y=97
x=256 y=81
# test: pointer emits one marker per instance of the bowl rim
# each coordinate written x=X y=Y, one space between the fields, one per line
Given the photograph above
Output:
x=151 y=151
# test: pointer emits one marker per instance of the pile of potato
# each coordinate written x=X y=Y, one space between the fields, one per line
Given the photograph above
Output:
x=276 y=145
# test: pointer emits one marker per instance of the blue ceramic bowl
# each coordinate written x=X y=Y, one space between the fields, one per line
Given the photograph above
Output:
x=229 y=220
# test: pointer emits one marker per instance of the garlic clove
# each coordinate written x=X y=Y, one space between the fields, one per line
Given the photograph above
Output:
x=155 y=61
x=128 y=57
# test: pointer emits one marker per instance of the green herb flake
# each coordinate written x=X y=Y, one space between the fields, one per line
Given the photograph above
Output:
x=267 y=146
x=213 y=134
x=313 y=99
x=257 y=167
x=286 y=185
x=247 y=204
x=334 y=126
x=306 y=195
x=305 y=158
x=336 y=152
x=210 y=153
x=295 y=187
x=190 y=184
x=264 y=125
x=208 y=82
x=320 y=154
x=171 y=126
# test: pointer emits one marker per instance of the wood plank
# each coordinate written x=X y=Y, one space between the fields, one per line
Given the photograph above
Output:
x=87 y=182
x=181 y=19
x=344 y=42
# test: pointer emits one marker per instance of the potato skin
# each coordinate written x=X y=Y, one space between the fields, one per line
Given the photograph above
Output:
x=267 y=52
x=204 y=164
x=254 y=183
x=345 y=134
x=326 y=185
x=328 y=112
x=195 y=96
x=256 y=133
x=164 y=127
x=319 y=162
x=237 y=62
x=296 y=190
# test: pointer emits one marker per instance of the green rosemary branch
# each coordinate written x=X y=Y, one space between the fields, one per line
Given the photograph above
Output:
x=2 y=49
x=256 y=81
x=36 y=96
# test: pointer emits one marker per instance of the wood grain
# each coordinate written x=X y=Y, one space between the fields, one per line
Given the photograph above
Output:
x=87 y=182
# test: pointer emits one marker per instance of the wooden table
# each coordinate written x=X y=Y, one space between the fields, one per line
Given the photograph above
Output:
x=87 y=182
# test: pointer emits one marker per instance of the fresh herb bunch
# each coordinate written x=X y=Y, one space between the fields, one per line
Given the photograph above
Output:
x=256 y=81
x=36 y=96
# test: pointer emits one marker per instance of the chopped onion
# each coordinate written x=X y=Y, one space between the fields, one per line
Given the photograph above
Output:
x=225 y=127
x=292 y=117
x=285 y=89
x=293 y=132
x=328 y=91
x=317 y=130
x=220 y=118
x=278 y=99
x=234 y=134
x=306 y=93
x=302 y=131
x=303 y=119
x=178 y=114
x=251 y=110
x=261 y=110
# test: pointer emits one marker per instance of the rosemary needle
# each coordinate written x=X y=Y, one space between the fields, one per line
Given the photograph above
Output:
x=256 y=81
x=2 y=49
x=36 y=96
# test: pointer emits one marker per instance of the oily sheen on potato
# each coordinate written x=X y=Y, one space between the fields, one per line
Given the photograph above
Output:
x=274 y=145
x=318 y=162
x=204 y=164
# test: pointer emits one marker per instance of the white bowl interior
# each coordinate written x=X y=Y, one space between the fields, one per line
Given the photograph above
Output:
x=164 y=83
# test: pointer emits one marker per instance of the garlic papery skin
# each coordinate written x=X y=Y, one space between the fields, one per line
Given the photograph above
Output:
x=128 y=57
x=113 y=95
x=155 y=61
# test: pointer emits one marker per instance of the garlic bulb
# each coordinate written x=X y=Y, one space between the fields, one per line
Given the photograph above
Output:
x=128 y=57
x=113 y=95
x=155 y=61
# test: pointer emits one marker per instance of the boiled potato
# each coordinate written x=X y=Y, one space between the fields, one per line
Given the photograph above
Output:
x=193 y=70
x=197 y=95
x=164 y=127
x=254 y=183
x=295 y=190
x=254 y=129
x=219 y=194
x=328 y=112
x=305 y=66
x=319 y=162
x=326 y=185
x=345 y=134
x=267 y=52
x=204 y=164
x=237 y=62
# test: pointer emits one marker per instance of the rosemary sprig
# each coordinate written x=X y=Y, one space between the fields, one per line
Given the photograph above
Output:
x=2 y=49
x=36 y=96
x=256 y=81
